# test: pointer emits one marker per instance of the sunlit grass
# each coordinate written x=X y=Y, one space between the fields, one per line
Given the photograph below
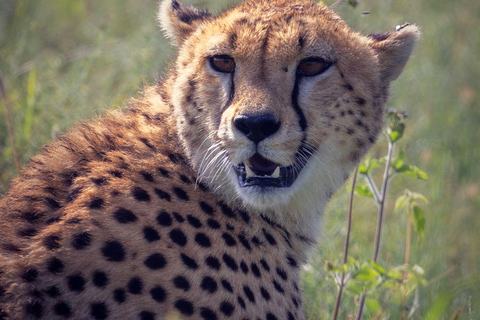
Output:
x=64 y=61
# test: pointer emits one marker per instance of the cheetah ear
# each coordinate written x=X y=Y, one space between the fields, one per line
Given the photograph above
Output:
x=178 y=21
x=393 y=50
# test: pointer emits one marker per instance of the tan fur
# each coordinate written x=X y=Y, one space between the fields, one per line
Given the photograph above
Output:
x=138 y=214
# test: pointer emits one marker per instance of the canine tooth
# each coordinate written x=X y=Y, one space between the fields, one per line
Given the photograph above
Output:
x=249 y=172
x=276 y=173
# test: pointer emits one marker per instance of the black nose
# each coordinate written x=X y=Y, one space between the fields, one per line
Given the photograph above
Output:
x=257 y=127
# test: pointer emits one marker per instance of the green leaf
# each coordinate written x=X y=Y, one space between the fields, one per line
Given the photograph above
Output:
x=373 y=305
x=401 y=202
x=353 y=3
x=413 y=171
x=363 y=191
x=419 y=220
x=419 y=196
x=377 y=267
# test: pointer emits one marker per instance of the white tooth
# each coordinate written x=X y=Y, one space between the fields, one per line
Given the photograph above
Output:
x=276 y=173
x=249 y=172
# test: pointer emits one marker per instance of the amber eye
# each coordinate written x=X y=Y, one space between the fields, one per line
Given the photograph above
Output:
x=312 y=66
x=222 y=63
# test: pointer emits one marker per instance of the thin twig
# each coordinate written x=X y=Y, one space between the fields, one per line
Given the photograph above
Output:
x=338 y=3
x=11 y=131
x=373 y=187
x=347 y=243
x=378 y=236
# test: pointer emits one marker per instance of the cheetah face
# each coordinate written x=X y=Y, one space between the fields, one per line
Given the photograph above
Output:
x=267 y=98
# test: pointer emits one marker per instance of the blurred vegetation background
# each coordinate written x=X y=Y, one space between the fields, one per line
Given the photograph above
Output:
x=63 y=61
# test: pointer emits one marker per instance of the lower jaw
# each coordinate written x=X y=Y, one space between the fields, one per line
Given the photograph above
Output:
x=285 y=180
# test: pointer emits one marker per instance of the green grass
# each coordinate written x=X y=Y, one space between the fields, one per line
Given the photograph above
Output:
x=63 y=61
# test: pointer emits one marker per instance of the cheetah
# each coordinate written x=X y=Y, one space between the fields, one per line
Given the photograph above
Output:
x=202 y=198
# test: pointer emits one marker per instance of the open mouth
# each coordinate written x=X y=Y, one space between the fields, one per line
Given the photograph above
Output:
x=258 y=171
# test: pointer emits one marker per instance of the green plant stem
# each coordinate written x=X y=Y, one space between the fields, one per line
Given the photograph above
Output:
x=381 y=209
x=8 y=118
x=347 y=243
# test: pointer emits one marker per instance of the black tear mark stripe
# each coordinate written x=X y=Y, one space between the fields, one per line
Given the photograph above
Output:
x=229 y=101
x=302 y=121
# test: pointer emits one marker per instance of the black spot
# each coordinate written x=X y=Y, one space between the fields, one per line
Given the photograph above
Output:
x=265 y=293
x=189 y=262
x=348 y=87
x=181 y=283
x=230 y=262
x=185 y=179
x=147 y=176
x=155 y=261
x=227 y=308
x=255 y=270
x=56 y=266
x=361 y=101
x=350 y=131
x=203 y=240
x=249 y=294
x=265 y=265
x=229 y=240
x=230 y=227
x=100 y=279
x=208 y=314
x=81 y=241
x=184 y=306
x=52 y=242
x=53 y=291
x=372 y=139
x=164 y=219
x=164 y=172
x=178 y=217
x=181 y=194
x=209 y=285
x=100 y=181
x=278 y=287
x=36 y=293
x=158 y=294
x=124 y=216
x=245 y=216
x=282 y=273
x=99 y=310
x=53 y=204
x=244 y=267
x=290 y=316
x=194 y=222
x=28 y=233
x=226 y=210
x=113 y=251
x=227 y=286
x=96 y=203
x=270 y=316
x=163 y=195
x=178 y=237
x=119 y=295
x=146 y=315
x=150 y=234
x=62 y=309
x=146 y=142
x=135 y=286
x=214 y=224
x=269 y=238
x=116 y=173
x=285 y=69
x=244 y=242
x=208 y=209
x=350 y=112
x=30 y=275
x=295 y=302
x=35 y=309
x=52 y=220
x=76 y=283
x=291 y=261
x=256 y=241
x=241 y=302
x=140 y=194
x=213 y=262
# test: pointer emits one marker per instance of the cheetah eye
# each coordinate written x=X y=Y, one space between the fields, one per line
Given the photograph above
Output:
x=222 y=63
x=310 y=67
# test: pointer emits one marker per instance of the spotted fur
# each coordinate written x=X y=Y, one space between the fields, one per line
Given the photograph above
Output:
x=139 y=214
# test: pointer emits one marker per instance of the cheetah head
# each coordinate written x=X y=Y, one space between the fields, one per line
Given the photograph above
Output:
x=277 y=101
